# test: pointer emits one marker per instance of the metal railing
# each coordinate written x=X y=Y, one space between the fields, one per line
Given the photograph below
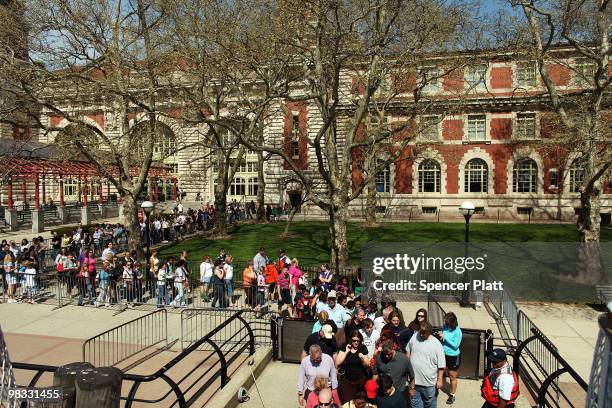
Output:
x=435 y=312
x=542 y=385
x=195 y=323
x=7 y=379
x=122 y=342
x=192 y=383
x=600 y=384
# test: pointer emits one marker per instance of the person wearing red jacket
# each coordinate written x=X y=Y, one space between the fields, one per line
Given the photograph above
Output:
x=271 y=276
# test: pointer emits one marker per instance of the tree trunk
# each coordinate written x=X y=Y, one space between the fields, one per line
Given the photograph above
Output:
x=589 y=256
x=130 y=215
x=220 y=211
x=338 y=232
x=261 y=192
x=370 y=210
x=292 y=213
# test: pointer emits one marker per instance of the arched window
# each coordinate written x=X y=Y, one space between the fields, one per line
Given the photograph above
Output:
x=383 y=181
x=252 y=186
x=238 y=187
x=576 y=176
x=476 y=176
x=429 y=176
x=525 y=176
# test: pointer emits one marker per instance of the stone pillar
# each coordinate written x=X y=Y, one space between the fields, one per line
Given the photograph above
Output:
x=85 y=216
x=38 y=220
x=62 y=213
x=10 y=216
x=102 y=209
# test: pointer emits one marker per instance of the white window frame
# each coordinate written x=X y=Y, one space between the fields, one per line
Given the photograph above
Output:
x=484 y=174
x=476 y=77
x=520 y=126
x=431 y=86
x=581 y=65
x=71 y=189
x=576 y=172
x=518 y=175
x=479 y=117
x=437 y=176
x=521 y=78
x=383 y=177
x=430 y=128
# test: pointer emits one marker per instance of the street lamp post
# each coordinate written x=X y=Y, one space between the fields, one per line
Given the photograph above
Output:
x=467 y=209
x=147 y=207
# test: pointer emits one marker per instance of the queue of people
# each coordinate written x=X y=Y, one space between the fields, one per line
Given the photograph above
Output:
x=369 y=358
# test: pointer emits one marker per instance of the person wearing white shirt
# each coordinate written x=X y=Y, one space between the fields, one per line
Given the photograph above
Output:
x=108 y=250
x=229 y=276
x=179 y=280
x=381 y=321
x=370 y=336
x=206 y=273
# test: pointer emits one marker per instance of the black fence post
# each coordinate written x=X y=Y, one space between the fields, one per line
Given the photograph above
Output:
x=274 y=335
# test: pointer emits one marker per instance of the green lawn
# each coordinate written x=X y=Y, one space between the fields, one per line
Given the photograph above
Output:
x=530 y=276
x=309 y=241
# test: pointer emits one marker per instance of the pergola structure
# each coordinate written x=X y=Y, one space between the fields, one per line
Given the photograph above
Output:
x=40 y=171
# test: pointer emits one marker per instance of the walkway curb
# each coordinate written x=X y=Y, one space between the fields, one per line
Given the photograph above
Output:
x=227 y=396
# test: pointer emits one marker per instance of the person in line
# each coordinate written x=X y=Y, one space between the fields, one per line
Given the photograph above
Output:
x=352 y=360
x=180 y=276
x=451 y=342
x=336 y=312
x=162 y=294
x=321 y=383
x=219 y=281
x=206 y=274
x=322 y=317
x=394 y=363
x=325 y=277
x=315 y=363
x=427 y=357
x=260 y=259
x=296 y=276
x=153 y=268
x=326 y=399
x=228 y=279
x=261 y=290
x=103 y=280
x=370 y=336
x=249 y=285
x=271 y=277
x=325 y=339
x=128 y=280
x=10 y=273
x=356 y=322
x=283 y=283
x=388 y=396
x=500 y=387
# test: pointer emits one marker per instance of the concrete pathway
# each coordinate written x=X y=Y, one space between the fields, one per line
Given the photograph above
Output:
x=17 y=236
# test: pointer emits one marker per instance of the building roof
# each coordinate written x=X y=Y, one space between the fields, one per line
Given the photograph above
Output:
x=23 y=158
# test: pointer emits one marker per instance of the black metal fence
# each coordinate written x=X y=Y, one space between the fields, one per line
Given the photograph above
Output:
x=176 y=384
x=541 y=364
x=122 y=342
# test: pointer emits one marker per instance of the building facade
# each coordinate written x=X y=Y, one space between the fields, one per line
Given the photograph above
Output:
x=491 y=147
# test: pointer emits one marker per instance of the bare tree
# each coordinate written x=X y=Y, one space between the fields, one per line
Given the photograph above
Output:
x=231 y=73
x=87 y=54
x=355 y=59
x=575 y=36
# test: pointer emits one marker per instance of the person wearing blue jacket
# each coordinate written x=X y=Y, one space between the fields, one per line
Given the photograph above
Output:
x=451 y=341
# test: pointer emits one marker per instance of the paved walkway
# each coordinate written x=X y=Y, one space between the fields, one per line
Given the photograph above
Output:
x=17 y=236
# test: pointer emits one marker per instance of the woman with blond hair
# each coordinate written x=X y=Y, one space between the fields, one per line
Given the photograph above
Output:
x=229 y=276
x=322 y=317
x=320 y=383
x=296 y=273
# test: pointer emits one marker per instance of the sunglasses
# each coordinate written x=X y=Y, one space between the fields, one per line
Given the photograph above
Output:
x=423 y=316
x=325 y=404
x=355 y=340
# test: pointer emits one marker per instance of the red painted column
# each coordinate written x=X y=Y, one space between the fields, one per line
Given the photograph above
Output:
x=44 y=190
x=61 y=191
x=36 y=193
x=101 y=193
x=85 y=193
x=91 y=191
x=11 y=203
x=80 y=189
x=150 y=188
x=174 y=189
x=25 y=197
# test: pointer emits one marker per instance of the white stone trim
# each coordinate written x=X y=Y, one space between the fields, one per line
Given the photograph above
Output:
x=477 y=153
x=427 y=154
x=65 y=122
x=524 y=153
